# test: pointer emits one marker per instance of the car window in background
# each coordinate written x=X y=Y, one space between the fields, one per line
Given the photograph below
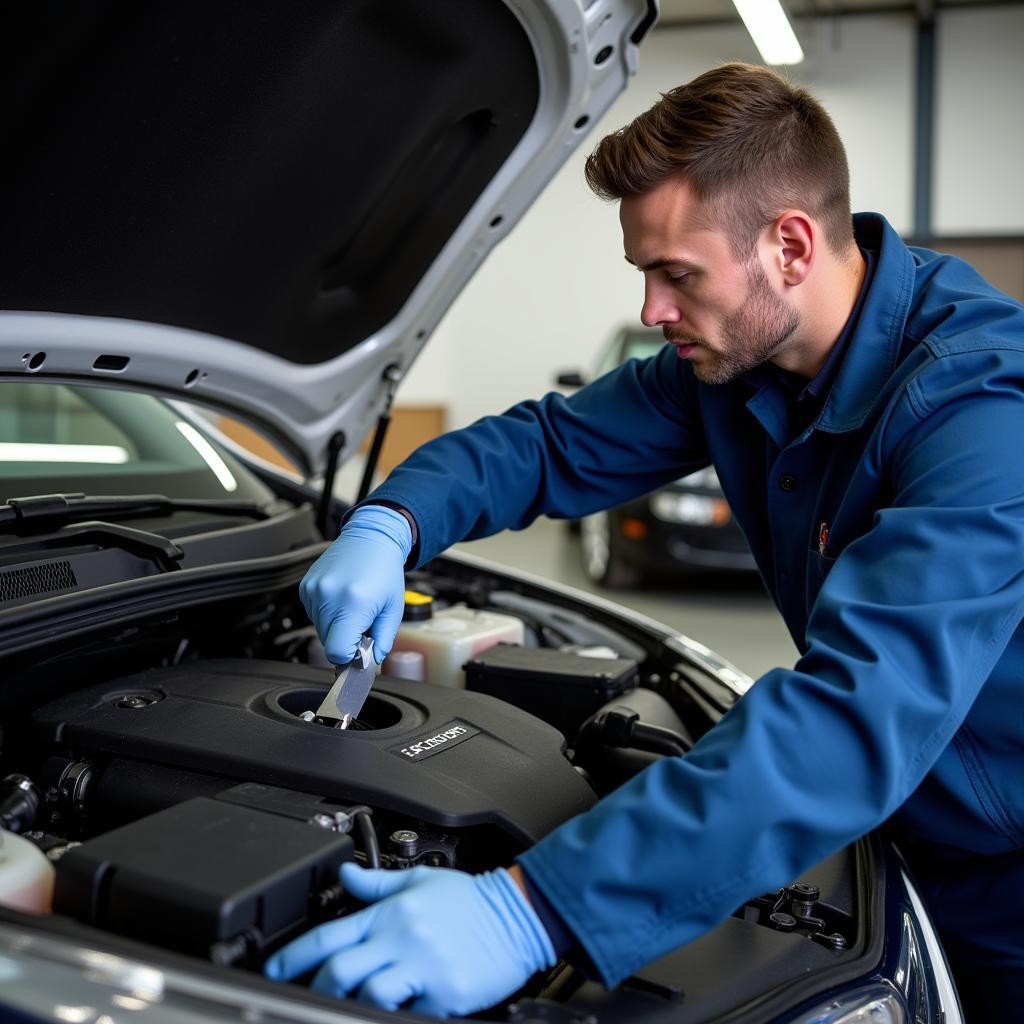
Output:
x=63 y=438
x=610 y=358
x=640 y=346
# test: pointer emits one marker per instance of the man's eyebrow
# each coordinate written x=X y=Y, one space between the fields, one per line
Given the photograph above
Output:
x=665 y=261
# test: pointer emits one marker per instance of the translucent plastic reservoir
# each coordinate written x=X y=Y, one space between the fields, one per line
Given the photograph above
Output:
x=450 y=638
x=26 y=876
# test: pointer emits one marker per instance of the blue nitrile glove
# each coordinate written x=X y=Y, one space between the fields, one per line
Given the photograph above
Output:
x=449 y=941
x=358 y=584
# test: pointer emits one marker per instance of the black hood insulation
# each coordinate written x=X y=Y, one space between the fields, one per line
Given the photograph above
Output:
x=277 y=174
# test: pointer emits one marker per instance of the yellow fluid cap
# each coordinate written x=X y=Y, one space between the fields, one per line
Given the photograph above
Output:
x=418 y=607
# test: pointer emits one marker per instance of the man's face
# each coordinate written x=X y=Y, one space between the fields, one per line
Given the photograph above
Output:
x=721 y=313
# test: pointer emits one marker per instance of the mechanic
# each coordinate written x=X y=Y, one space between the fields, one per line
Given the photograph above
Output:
x=863 y=404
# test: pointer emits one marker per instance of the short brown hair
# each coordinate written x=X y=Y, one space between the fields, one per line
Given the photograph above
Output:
x=749 y=143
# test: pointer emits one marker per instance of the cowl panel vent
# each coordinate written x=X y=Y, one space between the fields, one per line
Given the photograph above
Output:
x=36 y=579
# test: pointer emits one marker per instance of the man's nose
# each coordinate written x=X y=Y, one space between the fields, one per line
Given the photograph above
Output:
x=658 y=307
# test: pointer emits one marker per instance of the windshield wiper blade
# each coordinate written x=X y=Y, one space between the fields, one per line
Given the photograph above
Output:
x=47 y=510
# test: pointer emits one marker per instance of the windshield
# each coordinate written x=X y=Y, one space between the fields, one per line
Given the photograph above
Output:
x=62 y=438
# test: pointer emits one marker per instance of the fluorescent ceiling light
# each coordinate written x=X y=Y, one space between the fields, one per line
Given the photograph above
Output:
x=209 y=454
x=771 y=31
x=15 y=451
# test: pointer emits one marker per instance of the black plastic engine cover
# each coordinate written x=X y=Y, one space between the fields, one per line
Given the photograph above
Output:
x=445 y=756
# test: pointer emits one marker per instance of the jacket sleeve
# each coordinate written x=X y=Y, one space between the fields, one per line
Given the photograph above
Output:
x=627 y=433
x=908 y=624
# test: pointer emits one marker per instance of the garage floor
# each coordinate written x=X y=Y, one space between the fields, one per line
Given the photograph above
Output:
x=731 y=614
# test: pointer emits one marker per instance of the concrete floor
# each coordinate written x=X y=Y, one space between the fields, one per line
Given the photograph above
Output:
x=730 y=613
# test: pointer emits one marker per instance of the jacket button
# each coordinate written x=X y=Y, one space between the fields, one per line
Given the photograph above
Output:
x=787 y=482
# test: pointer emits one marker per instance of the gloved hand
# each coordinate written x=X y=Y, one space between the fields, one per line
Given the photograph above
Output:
x=358 y=584
x=451 y=942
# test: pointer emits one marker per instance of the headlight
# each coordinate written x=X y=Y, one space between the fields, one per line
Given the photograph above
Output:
x=878 y=1004
x=706 y=477
x=694 y=509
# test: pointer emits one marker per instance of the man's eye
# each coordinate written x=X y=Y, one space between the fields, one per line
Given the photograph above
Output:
x=680 y=278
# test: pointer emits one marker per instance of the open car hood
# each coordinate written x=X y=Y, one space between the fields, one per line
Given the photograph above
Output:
x=263 y=207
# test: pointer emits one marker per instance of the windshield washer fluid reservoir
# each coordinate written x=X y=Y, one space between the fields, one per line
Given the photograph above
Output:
x=451 y=637
x=26 y=876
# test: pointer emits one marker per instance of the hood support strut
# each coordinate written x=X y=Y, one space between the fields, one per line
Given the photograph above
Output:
x=391 y=376
x=323 y=512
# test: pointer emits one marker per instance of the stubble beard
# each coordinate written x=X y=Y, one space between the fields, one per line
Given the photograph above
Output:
x=753 y=333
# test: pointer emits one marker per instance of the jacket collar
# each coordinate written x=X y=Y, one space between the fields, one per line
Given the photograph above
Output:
x=875 y=346
x=872 y=352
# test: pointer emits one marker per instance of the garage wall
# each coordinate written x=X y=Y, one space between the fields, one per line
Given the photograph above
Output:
x=552 y=291
x=980 y=125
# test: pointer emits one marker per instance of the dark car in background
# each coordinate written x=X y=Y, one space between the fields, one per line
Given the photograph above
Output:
x=685 y=526
x=264 y=210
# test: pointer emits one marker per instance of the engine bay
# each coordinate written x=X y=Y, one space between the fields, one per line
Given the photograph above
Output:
x=120 y=781
x=196 y=803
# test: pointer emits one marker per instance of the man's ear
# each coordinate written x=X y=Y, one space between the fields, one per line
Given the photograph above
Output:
x=793 y=237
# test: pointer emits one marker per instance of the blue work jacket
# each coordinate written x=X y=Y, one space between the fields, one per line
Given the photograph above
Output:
x=906 y=608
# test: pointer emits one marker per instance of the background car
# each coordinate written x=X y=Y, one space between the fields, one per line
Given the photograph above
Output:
x=265 y=209
x=685 y=526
